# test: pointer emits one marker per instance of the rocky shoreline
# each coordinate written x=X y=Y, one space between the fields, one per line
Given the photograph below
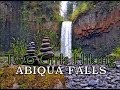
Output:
x=110 y=80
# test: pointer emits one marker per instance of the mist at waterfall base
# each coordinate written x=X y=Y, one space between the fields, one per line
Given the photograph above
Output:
x=66 y=39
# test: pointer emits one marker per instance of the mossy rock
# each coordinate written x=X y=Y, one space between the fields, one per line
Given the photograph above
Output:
x=8 y=78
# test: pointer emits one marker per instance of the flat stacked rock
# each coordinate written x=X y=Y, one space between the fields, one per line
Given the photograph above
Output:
x=30 y=56
x=46 y=50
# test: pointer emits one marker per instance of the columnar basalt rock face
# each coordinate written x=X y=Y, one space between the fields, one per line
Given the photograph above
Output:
x=98 y=30
x=46 y=50
x=9 y=23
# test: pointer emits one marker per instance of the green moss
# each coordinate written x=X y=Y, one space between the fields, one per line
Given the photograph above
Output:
x=76 y=53
x=82 y=8
x=23 y=86
x=1 y=72
x=116 y=52
x=8 y=78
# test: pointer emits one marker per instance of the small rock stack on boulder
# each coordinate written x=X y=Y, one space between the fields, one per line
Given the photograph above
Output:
x=46 y=50
x=30 y=56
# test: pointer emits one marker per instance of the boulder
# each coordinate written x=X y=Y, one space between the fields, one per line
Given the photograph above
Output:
x=46 y=49
x=46 y=37
x=59 y=85
x=30 y=51
x=31 y=54
x=45 y=45
x=47 y=55
x=45 y=40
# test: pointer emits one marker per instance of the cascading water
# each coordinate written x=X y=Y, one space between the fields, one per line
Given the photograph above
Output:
x=66 y=39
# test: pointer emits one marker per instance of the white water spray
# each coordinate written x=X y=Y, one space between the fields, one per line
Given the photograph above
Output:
x=66 y=33
x=66 y=39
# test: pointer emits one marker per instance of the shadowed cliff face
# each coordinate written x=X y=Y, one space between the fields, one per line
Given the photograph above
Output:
x=98 y=30
x=10 y=22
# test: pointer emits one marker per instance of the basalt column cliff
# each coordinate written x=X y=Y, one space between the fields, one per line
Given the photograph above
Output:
x=98 y=30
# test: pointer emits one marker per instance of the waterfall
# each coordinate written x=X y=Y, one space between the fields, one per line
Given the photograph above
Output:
x=63 y=8
x=66 y=39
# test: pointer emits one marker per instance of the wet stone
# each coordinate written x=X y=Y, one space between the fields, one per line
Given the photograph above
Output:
x=45 y=44
x=88 y=88
x=109 y=78
x=45 y=49
x=30 y=54
x=93 y=82
x=84 y=85
x=77 y=80
x=45 y=40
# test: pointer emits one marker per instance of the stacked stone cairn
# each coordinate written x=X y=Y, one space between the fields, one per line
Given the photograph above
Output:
x=30 y=57
x=46 y=50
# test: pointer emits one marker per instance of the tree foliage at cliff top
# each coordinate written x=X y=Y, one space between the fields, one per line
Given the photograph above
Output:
x=82 y=8
x=44 y=9
x=39 y=19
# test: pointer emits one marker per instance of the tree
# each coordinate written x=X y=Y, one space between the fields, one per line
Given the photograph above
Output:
x=71 y=6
